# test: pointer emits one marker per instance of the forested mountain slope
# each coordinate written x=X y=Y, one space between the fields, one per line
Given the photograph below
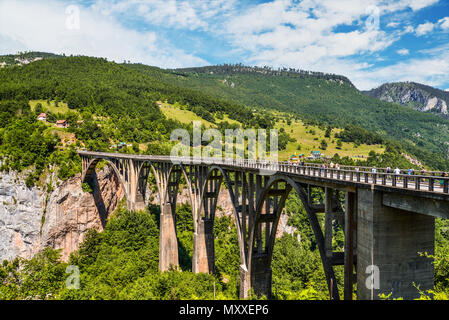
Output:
x=322 y=98
x=125 y=96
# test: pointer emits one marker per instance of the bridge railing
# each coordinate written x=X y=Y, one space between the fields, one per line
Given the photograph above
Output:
x=431 y=181
x=406 y=181
x=362 y=168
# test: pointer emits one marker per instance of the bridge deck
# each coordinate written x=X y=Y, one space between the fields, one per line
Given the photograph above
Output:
x=429 y=185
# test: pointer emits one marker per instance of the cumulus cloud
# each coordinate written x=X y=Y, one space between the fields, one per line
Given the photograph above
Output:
x=403 y=52
x=424 y=28
x=32 y=25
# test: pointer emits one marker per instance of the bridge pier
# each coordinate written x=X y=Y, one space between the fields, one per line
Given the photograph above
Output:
x=258 y=279
x=138 y=204
x=245 y=282
x=391 y=239
x=203 y=260
x=168 y=241
x=261 y=275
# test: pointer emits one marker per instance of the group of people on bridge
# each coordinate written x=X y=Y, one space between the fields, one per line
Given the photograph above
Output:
x=373 y=170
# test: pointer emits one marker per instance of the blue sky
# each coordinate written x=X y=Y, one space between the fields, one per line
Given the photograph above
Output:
x=369 y=41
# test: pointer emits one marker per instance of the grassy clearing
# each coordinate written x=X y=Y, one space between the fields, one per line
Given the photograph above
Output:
x=184 y=116
x=61 y=108
x=310 y=137
x=307 y=137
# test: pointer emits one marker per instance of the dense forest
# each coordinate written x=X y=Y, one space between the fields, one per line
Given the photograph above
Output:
x=266 y=70
x=92 y=88
x=122 y=263
x=320 y=100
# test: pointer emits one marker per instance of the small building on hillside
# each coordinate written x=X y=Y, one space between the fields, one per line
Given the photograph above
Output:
x=42 y=117
x=316 y=155
x=62 y=124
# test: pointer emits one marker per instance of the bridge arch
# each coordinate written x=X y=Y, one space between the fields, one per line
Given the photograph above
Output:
x=144 y=169
x=235 y=206
x=259 y=257
x=169 y=179
x=176 y=171
x=89 y=172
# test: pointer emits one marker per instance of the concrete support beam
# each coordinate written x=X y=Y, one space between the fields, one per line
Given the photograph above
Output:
x=431 y=207
x=245 y=283
x=391 y=239
x=350 y=240
x=203 y=259
x=260 y=275
x=139 y=204
x=168 y=242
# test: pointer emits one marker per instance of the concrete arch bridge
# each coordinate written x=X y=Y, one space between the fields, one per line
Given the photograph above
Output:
x=388 y=219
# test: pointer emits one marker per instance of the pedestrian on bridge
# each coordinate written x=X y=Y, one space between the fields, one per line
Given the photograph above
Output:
x=388 y=171
x=445 y=175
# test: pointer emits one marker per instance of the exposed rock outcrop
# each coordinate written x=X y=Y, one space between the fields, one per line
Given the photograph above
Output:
x=31 y=219
x=71 y=212
x=421 y=97
x=20 y=217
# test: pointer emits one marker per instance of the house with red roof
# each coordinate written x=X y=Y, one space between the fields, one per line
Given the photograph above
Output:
x=62 y=124
x=42 y=117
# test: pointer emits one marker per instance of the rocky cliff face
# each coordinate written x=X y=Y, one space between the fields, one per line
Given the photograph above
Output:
x=422 y=98
x=31 y=219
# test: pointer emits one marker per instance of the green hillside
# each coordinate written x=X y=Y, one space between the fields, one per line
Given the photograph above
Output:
x=107 y=103
x=321 y=99
x=305 y=138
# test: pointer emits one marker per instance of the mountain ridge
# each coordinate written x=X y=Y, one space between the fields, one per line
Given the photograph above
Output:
x=415 y=95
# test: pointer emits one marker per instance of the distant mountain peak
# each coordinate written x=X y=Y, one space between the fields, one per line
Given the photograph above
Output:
x=416 y=95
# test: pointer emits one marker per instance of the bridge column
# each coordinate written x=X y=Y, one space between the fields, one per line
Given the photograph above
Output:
x=203 y=247
x=259 y=279
x=168 y=241
x=245 y=282
x=390 y=240
x=261 y=275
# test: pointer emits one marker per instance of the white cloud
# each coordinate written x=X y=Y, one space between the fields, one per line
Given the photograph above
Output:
x=403 y=52
x=424 y=28
x=176 y=14
x=409 y=29
x=416 y=5
x=444 y=23
x=32 y=25
x=431 y=70
x=393 y=24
